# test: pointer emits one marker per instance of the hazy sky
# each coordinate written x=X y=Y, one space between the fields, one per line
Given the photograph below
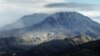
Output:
x=12 y=10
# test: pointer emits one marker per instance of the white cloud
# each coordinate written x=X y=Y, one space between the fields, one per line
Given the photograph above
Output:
x=54 y=1
x=33 y=1
x=91 y=13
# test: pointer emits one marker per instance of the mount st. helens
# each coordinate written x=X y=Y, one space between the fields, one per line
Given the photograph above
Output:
x=58 y=26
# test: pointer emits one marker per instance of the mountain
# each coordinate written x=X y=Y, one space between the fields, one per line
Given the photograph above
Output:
x=67 y=22
x=59 y=26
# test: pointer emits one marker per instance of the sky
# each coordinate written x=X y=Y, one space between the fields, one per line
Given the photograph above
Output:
x=87 y=1
x=12 y=10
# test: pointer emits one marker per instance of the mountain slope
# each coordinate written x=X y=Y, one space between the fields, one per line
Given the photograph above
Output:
x=68 y=22
x=26 y=21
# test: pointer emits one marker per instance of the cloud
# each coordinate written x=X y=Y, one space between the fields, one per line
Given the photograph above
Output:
x=91 y=14
x=34 y=1
x=90 y=10
x=78 y=6
x=26 y=5
x=11 y=12
x=96 y=18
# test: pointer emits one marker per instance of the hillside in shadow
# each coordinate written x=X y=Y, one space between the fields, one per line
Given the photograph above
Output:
x=62 y=49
